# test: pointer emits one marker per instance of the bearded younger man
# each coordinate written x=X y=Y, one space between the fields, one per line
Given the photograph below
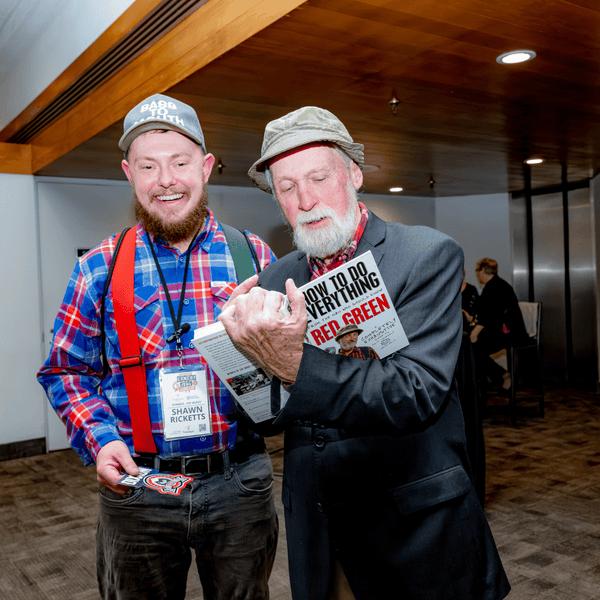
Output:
x=214 y=492
x=377 y=491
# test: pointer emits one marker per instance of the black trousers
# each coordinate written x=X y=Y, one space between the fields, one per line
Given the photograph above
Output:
x=489 y=343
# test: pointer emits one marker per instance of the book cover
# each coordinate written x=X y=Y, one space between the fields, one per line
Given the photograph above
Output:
x=354 y=294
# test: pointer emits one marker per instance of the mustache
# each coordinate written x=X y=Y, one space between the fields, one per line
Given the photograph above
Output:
x=314 y=215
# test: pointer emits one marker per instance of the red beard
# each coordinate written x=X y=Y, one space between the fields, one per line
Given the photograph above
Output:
x=173 y=232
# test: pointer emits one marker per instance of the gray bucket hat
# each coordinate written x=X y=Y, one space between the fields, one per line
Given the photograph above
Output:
x=346 y=330
x=161 y=112
x=300 y=127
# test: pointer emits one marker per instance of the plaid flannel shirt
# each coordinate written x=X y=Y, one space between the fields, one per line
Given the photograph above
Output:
x=96 y=410
x=361 y=352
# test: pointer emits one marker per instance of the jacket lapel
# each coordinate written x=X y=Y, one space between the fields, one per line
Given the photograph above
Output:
x=302 y=271
x=373 y=238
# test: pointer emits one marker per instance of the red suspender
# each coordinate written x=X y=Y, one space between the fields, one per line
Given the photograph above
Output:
x=132 y=364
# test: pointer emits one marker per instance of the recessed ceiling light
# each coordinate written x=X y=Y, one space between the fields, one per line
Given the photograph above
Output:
x=534 y=161
x=396 y=189
x=516 y=56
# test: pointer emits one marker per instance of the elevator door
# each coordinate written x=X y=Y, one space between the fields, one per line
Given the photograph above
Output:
x=583 y=370
x=568 y=315
x=549 y=282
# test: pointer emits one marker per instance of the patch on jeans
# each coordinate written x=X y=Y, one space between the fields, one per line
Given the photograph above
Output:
x=167 y=484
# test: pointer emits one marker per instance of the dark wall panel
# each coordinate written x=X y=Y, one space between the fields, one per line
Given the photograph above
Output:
x=548 y=281
x=568 y=356
x=582 y=278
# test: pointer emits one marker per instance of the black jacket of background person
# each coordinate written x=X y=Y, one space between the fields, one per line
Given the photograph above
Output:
x=375 y=459
x=469 y=298
x=498 y=305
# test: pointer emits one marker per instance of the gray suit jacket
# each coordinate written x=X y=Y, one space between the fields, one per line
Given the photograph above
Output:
x=376 y=469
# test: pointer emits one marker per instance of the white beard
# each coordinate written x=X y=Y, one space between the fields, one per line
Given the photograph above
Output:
x=347 y=346
x=326 y=241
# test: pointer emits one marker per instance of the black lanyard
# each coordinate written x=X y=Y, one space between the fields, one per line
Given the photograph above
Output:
x=179 y=328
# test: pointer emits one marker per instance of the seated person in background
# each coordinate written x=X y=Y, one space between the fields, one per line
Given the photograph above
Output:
x=470 y=297
x=499 y=321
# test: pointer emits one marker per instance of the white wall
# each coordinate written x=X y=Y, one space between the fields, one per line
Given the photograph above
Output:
x=402 y=209
x=73 y=214
x=21 y=398
x=481 y=225
x=63 y=30
x=252 y=209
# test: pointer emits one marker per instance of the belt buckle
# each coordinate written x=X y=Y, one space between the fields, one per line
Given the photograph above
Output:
x=183 y=461
x=149 y=459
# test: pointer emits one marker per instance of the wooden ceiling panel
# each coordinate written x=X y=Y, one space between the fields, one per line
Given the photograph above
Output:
x=463 y=118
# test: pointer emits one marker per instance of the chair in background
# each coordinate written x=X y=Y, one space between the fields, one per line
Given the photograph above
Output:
x=532 y=316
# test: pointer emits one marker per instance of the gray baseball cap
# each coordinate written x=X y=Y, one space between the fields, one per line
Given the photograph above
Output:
x=303 y=126
x=161 y=112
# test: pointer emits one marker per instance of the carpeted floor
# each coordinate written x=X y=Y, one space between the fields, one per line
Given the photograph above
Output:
x=543 y=505
x=543 y=497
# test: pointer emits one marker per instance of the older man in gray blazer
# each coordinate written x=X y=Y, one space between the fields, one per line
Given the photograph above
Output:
x=377 y=491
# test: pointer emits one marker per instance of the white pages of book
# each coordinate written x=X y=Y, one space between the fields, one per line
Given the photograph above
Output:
x=248 y=382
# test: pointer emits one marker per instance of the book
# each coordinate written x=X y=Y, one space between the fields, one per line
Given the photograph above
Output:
x=247 y=380
x=351 y=299
x=353 y=294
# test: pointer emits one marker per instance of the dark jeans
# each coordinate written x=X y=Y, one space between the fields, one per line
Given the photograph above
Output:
x=144 y=539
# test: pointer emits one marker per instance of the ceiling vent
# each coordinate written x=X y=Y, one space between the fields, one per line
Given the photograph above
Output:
x=148 y=31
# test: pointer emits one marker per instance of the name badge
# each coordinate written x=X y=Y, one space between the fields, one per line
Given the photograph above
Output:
x=185 y=402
